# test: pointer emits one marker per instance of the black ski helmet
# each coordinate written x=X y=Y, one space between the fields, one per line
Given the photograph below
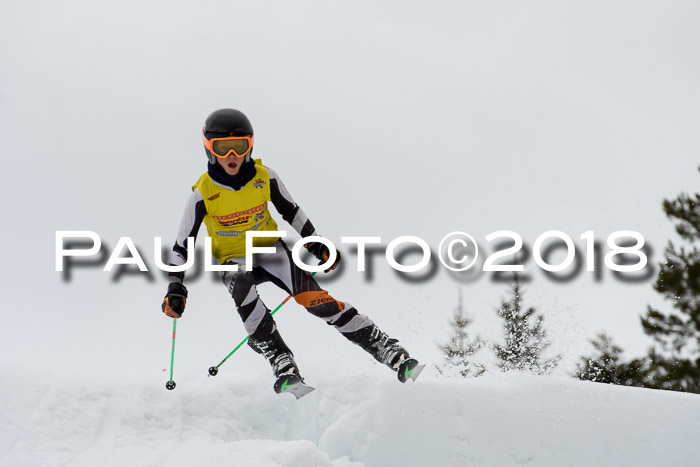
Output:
x=226 y=122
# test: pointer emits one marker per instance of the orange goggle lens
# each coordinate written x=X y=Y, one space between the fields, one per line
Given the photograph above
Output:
x=239 y=146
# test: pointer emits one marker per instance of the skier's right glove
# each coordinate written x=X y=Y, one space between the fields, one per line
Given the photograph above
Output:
x=175 y=300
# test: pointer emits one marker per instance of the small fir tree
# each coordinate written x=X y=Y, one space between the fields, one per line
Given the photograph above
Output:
x=607 y=365
x=525 y=336
x=460 y=349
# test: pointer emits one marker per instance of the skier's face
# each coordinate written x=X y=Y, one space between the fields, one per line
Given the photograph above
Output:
x=230 y=164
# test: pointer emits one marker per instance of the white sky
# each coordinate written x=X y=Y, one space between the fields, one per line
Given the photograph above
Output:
x=382 y=118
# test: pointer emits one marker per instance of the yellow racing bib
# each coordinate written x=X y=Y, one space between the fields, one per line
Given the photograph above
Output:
x=230 y=214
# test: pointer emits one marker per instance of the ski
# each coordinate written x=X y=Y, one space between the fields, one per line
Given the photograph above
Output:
x=409 y=369
x=293 y=384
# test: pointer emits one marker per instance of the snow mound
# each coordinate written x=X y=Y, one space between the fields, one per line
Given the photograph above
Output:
x=501 y=420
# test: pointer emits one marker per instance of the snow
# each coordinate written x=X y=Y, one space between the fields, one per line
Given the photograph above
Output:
x=511 y=419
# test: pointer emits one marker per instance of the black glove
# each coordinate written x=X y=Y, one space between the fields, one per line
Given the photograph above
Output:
x=322 y=253
x=174 y=301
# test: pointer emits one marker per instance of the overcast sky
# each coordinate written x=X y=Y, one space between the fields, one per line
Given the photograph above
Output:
x=382 y=118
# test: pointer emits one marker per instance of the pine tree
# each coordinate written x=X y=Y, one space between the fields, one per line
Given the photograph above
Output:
x=607 y=366
x=675 y=360
x=525 y=337
x=458 y=352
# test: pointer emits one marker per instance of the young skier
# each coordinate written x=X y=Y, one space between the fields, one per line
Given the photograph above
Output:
x=231 y=198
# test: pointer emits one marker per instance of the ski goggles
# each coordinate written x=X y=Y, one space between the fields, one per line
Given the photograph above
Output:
x=239 y=146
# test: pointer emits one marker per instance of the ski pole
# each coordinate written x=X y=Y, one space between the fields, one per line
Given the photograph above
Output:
x=171 y=384
x=215 y=369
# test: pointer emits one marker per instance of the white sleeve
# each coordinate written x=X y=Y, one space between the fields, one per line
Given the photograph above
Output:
x=191 y=221
x=285 y=205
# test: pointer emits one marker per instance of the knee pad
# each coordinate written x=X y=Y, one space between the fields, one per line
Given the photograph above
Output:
x=321 y=302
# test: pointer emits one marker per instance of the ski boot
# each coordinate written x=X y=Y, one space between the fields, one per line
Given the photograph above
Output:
x=287 y=377
x=387 y=351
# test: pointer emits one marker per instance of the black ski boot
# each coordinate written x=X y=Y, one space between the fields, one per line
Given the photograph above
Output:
x=387 y=351
x=287 y=377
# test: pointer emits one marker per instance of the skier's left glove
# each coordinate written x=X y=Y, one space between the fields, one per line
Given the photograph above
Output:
x=175 y=300
x=322 y=253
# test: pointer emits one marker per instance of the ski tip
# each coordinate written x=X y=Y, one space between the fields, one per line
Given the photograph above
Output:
x=409 y=369
x=416 y=371
x=292 y=384
x=301 y=390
